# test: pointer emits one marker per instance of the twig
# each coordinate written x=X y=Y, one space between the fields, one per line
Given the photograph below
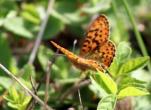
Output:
x=47 y=83
x=48 y=70
x=25 y=88
x=32 y=101
x=48 y=73
x=40 y=34
x=74 y=88
x=33 y=85
x=31 y=105
x=82 y=108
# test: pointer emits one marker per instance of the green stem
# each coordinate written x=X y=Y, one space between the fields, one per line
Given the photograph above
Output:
x=137 y=34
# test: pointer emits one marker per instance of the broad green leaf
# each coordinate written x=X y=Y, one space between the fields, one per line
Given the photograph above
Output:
x=97 y=89
x=30 y=13
x=6 y=6
x=54 y=26
x=19 y=29
x=132 y=91
x=107 y=103
x=72 y=7
x=60 y=17
x=105 y=82
x=123 y=52
x=133 y=64
x=128 y=81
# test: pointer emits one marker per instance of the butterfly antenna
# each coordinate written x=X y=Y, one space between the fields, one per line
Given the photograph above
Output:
x=74 y=45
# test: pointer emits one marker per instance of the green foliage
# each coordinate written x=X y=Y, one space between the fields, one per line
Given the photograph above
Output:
x=30 y=13
x=6 y=57
x=132 y=91
x=53 y=27
x=104 y=81
x=125 y=84
x=107 y=103
x=133 y=64
x=19 y=29
x=20 y=22
x=27 y=72
x=44 y=55
x=17 y=99
x=5 y=82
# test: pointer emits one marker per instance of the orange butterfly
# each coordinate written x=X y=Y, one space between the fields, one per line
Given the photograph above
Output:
x=97 y=51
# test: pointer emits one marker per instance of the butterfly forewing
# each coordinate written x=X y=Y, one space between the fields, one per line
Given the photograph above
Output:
x=96 y=35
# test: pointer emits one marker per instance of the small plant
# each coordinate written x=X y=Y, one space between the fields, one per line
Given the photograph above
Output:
x=119 y=84
x=17 y=99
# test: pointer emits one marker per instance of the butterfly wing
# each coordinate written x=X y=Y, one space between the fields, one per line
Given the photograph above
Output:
x=96 y=35
x=104 y=54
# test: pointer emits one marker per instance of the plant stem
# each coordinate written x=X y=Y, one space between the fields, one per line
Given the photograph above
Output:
x=41 y=32
x=137 y=34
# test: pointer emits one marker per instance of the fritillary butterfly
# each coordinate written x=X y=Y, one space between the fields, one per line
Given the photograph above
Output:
x=97 y=51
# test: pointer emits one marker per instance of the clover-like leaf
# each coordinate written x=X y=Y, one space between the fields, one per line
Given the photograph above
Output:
x=107 y=103
x=133 y=64
x=132 y=91
x=105 y=82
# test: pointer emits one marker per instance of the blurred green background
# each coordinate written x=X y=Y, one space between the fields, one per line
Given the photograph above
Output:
x=20 y=24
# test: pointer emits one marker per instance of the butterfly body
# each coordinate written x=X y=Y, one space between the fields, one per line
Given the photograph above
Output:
x=97 y=51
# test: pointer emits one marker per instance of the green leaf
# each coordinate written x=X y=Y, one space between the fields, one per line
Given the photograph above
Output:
x=133 y=64
x=128 y=81
x=44 y=54
x=122 y=54
x=97 y=7
x=6 y=6
x=60 y=17
x=16 y=25
x=54 y=26
x=30 y=13
x=28 y=71
x=97 y=89
x=6 y=57
x=132 y=91
x=17 y=99
x=114 y=68
x=105 y=82
x=107 y=103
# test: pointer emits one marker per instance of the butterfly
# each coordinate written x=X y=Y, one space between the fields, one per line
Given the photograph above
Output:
x=97 y=51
